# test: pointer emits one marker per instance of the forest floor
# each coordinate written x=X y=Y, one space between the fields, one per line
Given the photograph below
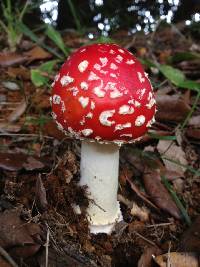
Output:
x=43 y=209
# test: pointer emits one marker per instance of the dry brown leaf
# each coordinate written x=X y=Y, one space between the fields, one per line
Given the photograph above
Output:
x=51 y=129
x=141 y=213
x=171 y=108
x=171 y=151
x=20 y=72
x=175 y=259
x=4 y=263
x=32 y=164
x=146 y=258
x=194 y=121
x=16 y=233
x=158 y=193
x=37 y=53
x=40 y=195
x=190 y=240
x=17 y=161
x=193 y=133
x=9 y=59
x=17 y=112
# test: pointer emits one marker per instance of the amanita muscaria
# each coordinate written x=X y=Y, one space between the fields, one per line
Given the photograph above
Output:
x=103 y=97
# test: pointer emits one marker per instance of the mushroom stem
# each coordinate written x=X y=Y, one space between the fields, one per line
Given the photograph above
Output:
x=99 y=172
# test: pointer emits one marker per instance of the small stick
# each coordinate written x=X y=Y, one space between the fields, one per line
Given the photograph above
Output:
x=8 y=257
x=47 y=249
x=144 y=238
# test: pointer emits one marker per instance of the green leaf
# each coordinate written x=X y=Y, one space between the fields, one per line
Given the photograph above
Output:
x=182 y=56
x=48 y=66
x=176 y=200
x=37 y=78
x=189 y=84
x=57 y=39
x=161 y=137
x=174 y=75
x=37 y=75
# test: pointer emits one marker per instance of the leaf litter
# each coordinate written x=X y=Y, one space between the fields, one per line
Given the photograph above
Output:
x=42 y=206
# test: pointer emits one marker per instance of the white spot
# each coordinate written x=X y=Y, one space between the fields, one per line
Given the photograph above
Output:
x=130 y=62
x=103 y=71
x=113 y=66
x=149 y=123
x=104 y=117
x=87 y=132
x=140 y=77
x=122 y=126
x=50 y=100
x=63 y=108
x=82 y=50
x=118 y=58
x=121 y=51
x=65 y=80
x=125 y=109
x=83 y=65
x=60 y=127
x=84 y=101
x=97 y=138
x=113 y=75
x=141 y=93
x=126 y=135
x=134 y=102
x=98 y=90
x=84 y=85
x=56 y=99
x=97 y=67
x=53 y=83
x=140 y=120
x=146 y=75
x=74 y=90
x=115 y=94
x=73 y=133
x=104 y=61
x=53 y=114
x=89 y=115
x=82 y=122
x=57 y=77
x=112 y=51
x=110 y=86
x=93 y=76
x=92 y=105
x=151 y=100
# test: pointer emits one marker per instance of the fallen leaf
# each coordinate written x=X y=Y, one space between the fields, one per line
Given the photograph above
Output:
x=17 y=161
x=146 y=257
x=9 y=59
x=40 y=195
x=11 y=86
x=171 y=152
x=17 y=112
x=190 y=240
x=37 y=53
x=158 y=193
x=15 y=232
x=4 y=263
x=141 y=213
x=176 y=259
x=193 y=133
x=171 y=108
x=194 y=121
x=51 y=129
x=22 y=73
x=32 y=164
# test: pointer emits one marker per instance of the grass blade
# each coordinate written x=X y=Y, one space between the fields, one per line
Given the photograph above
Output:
x=57 y=39
x=176 y=200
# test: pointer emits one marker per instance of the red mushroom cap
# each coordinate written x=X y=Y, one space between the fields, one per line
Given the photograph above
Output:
x=103 y=93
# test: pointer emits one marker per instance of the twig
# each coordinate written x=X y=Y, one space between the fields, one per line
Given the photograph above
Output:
x=144 y=238
x=47 y=249
x=25 y=135
x=8 y=257
x=140 y=194
x=158 y=225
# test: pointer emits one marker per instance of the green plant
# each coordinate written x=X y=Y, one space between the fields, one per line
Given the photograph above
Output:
x=9 y=23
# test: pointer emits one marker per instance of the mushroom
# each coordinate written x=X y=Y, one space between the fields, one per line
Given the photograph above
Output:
x=103 y=97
